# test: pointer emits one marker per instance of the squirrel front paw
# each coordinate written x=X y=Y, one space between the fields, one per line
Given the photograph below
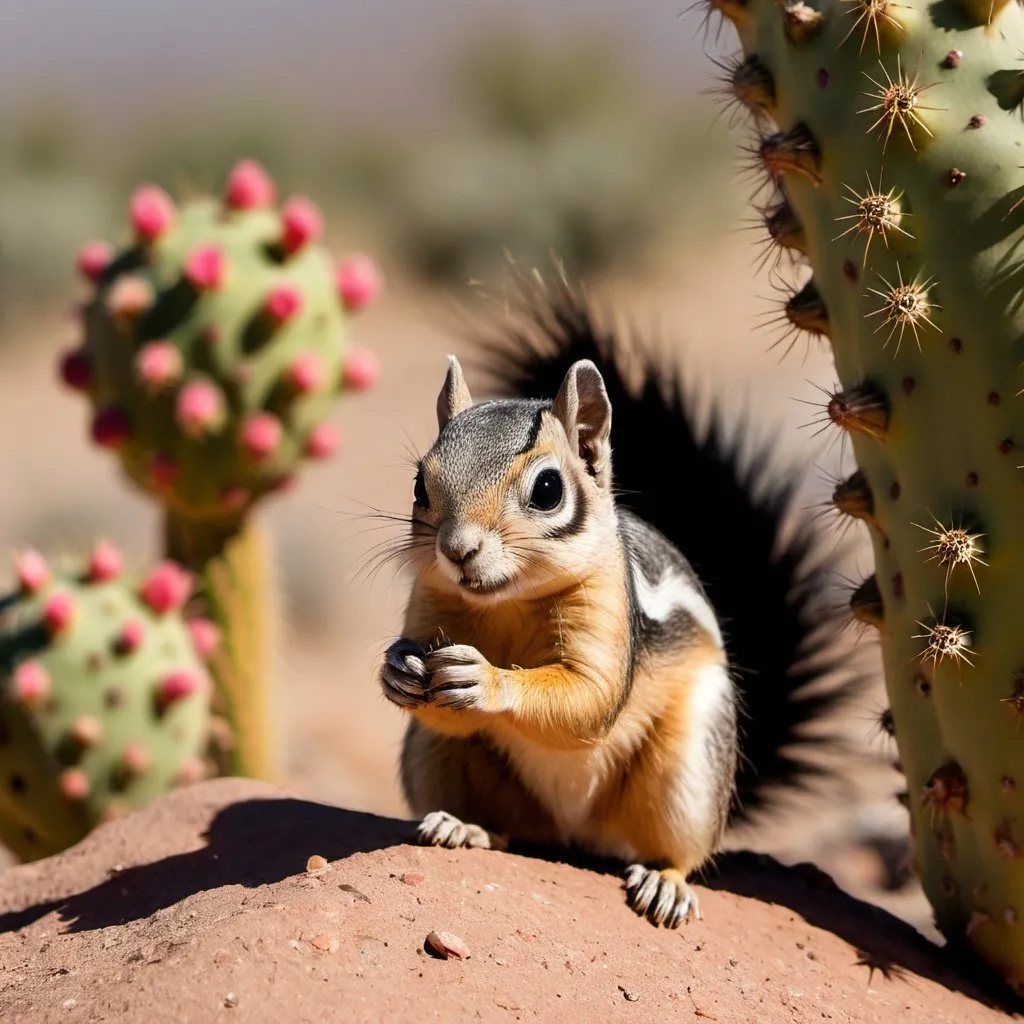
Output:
x=404 y=676
x=461 y=678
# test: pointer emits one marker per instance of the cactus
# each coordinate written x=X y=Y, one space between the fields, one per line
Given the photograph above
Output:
x=104 y=700
x=214 y=346
x=894 y=158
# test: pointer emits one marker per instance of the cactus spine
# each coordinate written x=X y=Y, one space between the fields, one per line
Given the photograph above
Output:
x=214 y=346
x=104 y=696
x=895 y=159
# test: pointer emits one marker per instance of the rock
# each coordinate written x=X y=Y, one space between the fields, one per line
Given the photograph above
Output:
x=212 y=906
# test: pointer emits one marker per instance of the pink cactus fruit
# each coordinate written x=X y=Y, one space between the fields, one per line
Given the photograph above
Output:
x=200 y=409
x=133 y=632
x=323 y=441
x=76 y=369
x=177 y=685
x=93 y=259
x=205 y=637
x=261 y=435
x=151 y=211
x=135 y=759
x=74 y=784
x=284 y=303
x=361 y=370
x=167 y=587
x=302 y=222
x=111 y=427
x=158 y=364
x=105 y=562
x=249 y=186
x=30 y=684
x=58 y=612
x=359 y=282
x=306 y=373
x=206 y=268
x=32 y=570
x=86 y=731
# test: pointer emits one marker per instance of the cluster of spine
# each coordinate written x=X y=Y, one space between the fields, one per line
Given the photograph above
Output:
x=214 y=346
x=889 y=133
x=214 y=343
x=104 y=696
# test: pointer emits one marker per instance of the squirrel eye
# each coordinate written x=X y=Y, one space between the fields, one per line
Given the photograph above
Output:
x=547 y=490
x=419 y=491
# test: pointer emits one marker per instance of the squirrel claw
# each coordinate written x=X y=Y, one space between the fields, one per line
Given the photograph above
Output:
x=404 y=676
x=439 y=828
x=662 y=896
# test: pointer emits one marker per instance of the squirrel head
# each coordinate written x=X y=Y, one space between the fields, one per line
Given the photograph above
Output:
x=517 y=493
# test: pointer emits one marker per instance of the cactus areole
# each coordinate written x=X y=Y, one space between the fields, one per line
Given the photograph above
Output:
x=896 y=152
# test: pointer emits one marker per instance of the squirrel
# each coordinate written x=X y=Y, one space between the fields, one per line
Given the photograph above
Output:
x=568 y=678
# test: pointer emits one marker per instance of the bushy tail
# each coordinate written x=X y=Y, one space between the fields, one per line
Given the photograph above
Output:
x=720 y=499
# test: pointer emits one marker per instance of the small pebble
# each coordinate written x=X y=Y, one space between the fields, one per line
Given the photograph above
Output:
x=69 y=1004
x=413 y=878
x=325 y=943
x=317 y=865
x=345 y=887
x=230 y=1000
x=629 y=995
x=447 y=945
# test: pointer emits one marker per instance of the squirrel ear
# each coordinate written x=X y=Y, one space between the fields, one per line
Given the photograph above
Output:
x=454 y=396
x=583 y=409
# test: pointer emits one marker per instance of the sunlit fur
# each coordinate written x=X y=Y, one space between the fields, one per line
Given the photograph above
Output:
x=518 y=557
x=605 y=714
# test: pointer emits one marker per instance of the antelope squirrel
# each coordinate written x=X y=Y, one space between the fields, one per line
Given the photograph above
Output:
x=567 y=678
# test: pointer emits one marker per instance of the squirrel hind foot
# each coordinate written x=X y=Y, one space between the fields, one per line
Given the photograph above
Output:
x=439 y=828
x=661 y=895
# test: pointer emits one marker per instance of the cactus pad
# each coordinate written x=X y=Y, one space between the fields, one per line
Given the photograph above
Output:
x=894 y=164
x=104 y=696
x=215 y=343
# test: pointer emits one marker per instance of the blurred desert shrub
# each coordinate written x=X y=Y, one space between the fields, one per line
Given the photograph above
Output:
x=546 y=148
x=49 y=202
x=559 y=151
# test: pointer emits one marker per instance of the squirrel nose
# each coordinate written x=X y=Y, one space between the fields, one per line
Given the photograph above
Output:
x=459 y=543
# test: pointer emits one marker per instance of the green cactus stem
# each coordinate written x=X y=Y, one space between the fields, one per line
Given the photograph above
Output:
x=891 y=136
x=104 y=696
x=215 y=345
x=235 y=565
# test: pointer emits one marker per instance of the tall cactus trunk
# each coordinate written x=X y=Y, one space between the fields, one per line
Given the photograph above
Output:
x=234 y=566
x=896 y=171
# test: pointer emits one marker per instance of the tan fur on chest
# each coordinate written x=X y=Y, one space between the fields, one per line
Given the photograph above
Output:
x=587 y=622
x=618 y=797
x=509 y=635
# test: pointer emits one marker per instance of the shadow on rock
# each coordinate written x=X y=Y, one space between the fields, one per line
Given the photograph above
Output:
x=262 y=841
x=250 y=843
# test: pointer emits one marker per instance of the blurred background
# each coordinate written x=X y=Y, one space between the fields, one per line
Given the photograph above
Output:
x=435 y=136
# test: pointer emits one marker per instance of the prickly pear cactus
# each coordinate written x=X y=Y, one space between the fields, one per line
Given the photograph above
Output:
x=104 y=696
x=214 y=346
x=890 y=134
x=215 y=343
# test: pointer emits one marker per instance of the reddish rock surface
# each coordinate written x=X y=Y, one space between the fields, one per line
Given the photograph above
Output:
x=202 y=909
